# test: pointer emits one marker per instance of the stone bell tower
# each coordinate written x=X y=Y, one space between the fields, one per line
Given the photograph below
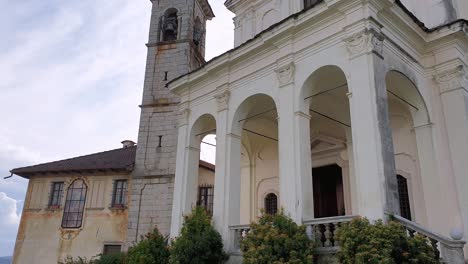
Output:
x=176 y=46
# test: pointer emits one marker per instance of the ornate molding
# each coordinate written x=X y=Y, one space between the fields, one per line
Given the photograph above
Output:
x=285 y=74
x=365 y=42
x=223 y=100
x=453 y=79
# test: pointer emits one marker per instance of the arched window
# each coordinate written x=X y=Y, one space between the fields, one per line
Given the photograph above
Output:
x=271 y=204
x=74 y=205
x=197 y=32
x=405 y=207
x=170 y=25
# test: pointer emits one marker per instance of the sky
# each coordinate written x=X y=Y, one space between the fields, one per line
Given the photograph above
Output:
x=71 y=80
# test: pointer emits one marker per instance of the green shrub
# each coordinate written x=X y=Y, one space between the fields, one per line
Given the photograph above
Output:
x=117 y=258
x=277 y=239
x=363 y=242
x=198 y=242
x=152 y=249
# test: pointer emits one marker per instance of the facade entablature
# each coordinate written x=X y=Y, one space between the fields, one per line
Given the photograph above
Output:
x=320 y=28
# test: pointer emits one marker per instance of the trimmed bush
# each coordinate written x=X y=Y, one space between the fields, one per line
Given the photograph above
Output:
x=277 y=239
x=152 y=249
x=379 y=243
x=198 y=242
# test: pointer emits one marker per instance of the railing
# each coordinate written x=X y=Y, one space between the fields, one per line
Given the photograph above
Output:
x=448 y=250
x=239 y=234
x=322 y=231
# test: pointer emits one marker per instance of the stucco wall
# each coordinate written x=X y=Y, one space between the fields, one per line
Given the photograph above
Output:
x=42 y=240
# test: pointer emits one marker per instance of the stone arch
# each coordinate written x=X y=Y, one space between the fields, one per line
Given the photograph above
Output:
x=402 y=86
x=250 y=106
x=319 y=81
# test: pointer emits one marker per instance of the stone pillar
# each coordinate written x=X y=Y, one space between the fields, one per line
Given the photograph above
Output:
x=187 y=159
x=221 y=162
x=295 y=169
x=374 y=162
x=231 y=153
x=453 y=85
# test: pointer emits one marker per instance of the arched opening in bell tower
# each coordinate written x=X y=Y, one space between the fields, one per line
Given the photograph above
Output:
x=170 y=25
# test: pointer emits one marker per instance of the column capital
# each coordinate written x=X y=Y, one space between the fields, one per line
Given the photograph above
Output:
x=285 y=74
x=184 y=114
x=452 y=79
x=366 y=41
x=222 y=98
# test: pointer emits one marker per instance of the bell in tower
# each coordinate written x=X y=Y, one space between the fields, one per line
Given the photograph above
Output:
x=170 y=25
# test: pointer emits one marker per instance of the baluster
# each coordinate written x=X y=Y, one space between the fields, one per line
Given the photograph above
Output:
x=310 y=232
x=318 y=235
x=328 y=235
x=335 y=241
x=435 y=247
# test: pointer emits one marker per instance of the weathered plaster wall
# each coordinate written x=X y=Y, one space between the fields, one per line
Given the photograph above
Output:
x=40 y=237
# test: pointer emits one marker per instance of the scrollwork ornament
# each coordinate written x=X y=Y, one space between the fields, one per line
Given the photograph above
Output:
x=223 y=100
x=285 y=74
x=365 y=42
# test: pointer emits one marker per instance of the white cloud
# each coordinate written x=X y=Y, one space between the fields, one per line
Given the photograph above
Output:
x=9 y=223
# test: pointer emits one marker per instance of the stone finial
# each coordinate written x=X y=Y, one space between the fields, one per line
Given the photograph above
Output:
x=365 y=42
x=285 y=74
x=453 y=79
x=223 y=100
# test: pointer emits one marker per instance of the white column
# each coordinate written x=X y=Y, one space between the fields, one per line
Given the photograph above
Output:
x=295 y=169
x=453 y=85
x=226 y=211
x=184 y=194
x=374 y=161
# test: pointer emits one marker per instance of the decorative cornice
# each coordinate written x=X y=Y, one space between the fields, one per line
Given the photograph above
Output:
x=223 y=100
x=365 y=42
x=285 y=74
x=453 y=79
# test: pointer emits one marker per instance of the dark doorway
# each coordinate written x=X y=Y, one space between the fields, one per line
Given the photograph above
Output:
x=328 y=191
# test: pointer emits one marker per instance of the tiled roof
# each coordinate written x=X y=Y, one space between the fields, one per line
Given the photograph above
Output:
x=121 y=159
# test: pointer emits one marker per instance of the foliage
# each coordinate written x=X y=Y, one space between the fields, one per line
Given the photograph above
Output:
x=198 y=242
x=277 y=239
x=152 y=249
x=363 y=242
x=118 y=258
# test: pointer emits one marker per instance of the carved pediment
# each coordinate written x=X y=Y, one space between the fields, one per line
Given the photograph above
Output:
x=322 y=144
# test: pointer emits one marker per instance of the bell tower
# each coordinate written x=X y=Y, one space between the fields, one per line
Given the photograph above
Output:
x=176 y=46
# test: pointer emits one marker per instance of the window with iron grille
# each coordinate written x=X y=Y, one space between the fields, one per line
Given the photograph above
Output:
x=112 y=249
x=119 y=196
x=405 y=207
x=56 y=194
x=310 y=3
x=205 y=198
x=271 y=204
x=74 y=205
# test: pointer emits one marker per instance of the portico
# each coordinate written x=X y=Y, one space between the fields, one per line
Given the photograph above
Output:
x=333 y=121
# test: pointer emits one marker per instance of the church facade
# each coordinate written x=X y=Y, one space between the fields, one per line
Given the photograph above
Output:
x=329 y=110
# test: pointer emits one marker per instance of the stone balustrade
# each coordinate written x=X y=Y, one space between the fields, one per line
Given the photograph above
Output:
x=322 y=231
x=449 y=250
